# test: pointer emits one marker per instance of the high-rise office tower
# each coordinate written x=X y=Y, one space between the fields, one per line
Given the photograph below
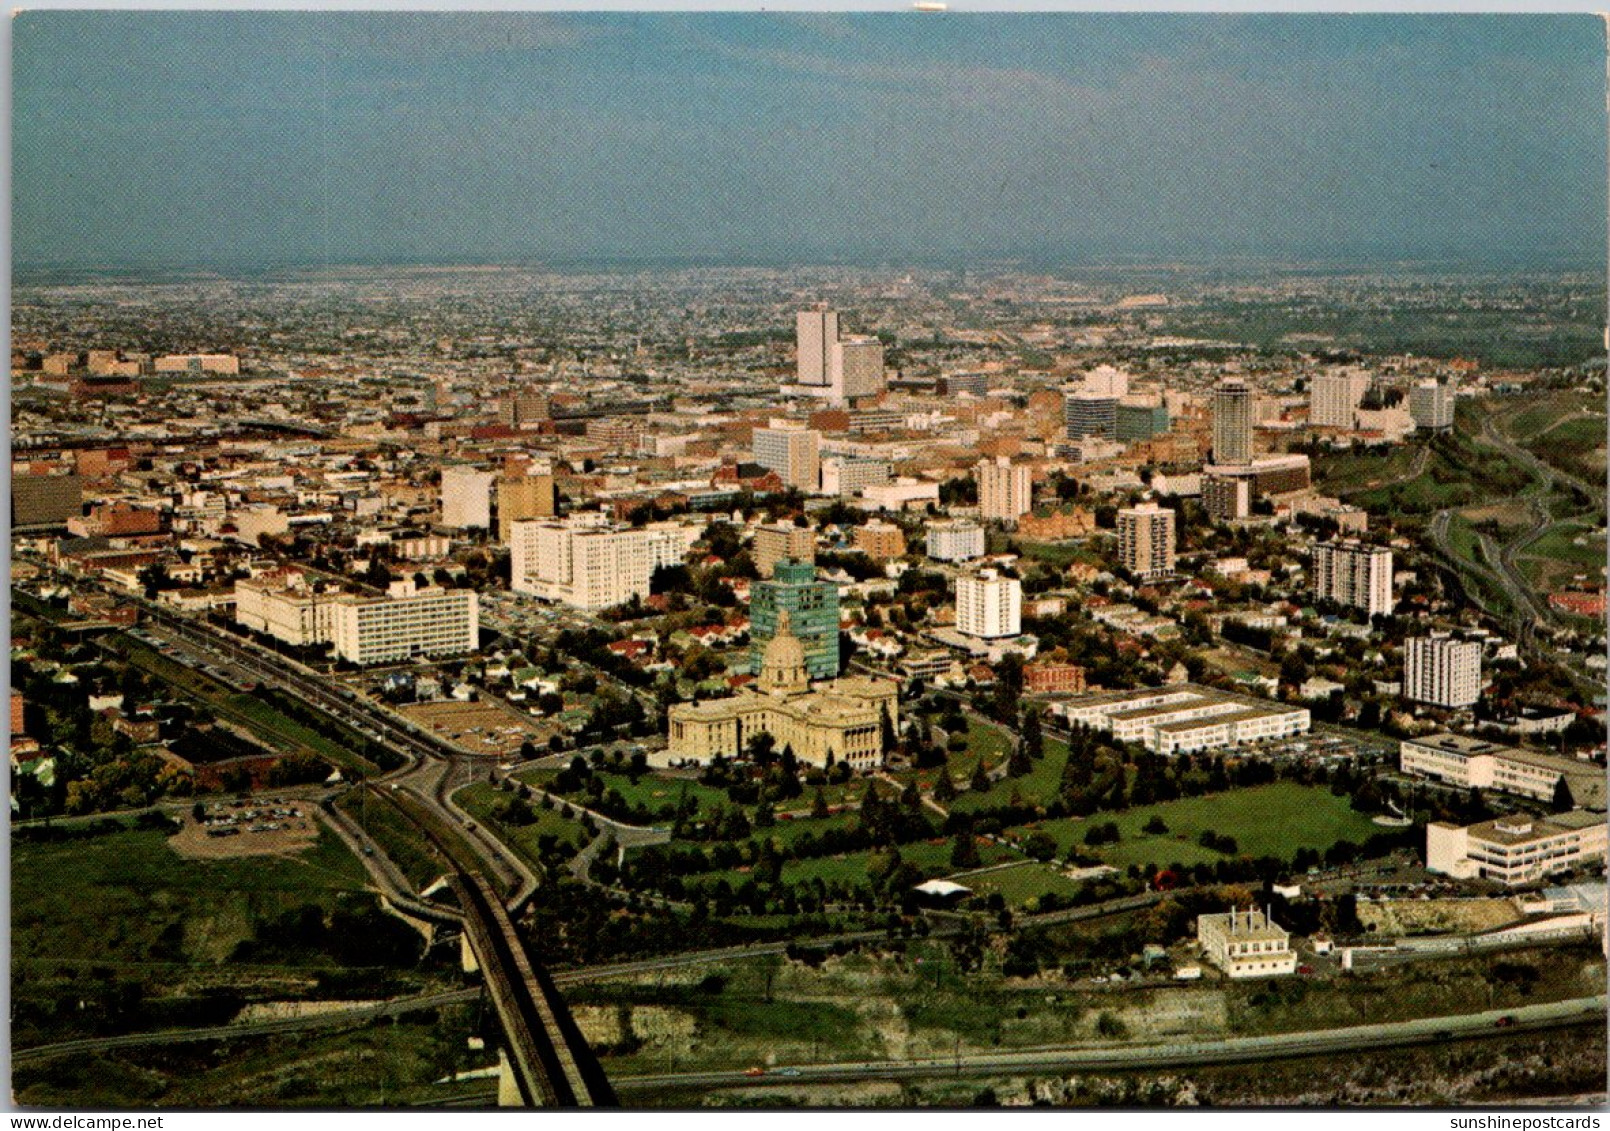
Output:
x=1090 y=414
x=1440 y=670
x=524 y=496
x=1232 y=423
x=1431 y=406
x=1005 y=492
x=1146 y=540
x=1334 y=397
x=988 y=605
x=466 y=497
x=794 y=453
x=813 y=611
x=815 y=331
x=855 y=367
x=1354 y=574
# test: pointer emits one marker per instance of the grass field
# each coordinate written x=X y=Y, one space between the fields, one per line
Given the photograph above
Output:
x=1557 y=557
x=1574 y=445
x=1272 y=820
x=109 y=898
x=1040 y=785
x=480 y=800
x=399 y=840
x=931 y=858
x=1021 y=882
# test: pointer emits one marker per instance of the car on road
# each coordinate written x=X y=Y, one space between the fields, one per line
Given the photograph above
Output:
x=788 y=1072
x=1504 y=1022
x=757 y=1070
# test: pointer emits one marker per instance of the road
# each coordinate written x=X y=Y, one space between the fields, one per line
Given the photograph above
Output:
x=352 y=1015
x=1071 y=1058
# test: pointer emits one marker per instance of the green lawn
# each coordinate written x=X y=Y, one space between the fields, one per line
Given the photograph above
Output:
x=1555 y=558
x=480 y=800
x=1021 y=883
x=931 y=858
x=1266 y=820
x=109 y=898
x=1574 y=446
x=1040 y=785
x=402 y=843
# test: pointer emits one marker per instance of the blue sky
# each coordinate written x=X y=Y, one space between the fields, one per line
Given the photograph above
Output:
x=195 y=138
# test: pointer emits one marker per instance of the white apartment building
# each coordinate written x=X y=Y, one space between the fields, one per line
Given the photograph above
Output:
x=282 y=604
x=467 y=497
x=1146 y=540
x=586 y=562
x=1440 y=670
x=1475 y=763
x=1005 y=491
x=408 y=622
x=848 y=475
x=1354 y=574
x=988 y=605
x=955 y=540
x=1334 y=397
x=855 y=367
x=1183 y=719
x=1246 y=944
x=815 y=331
x=1517 y=849
x=1431 y=406
x=793 y=452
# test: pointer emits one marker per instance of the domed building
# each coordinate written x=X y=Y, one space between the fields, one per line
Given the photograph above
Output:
x=838 y=720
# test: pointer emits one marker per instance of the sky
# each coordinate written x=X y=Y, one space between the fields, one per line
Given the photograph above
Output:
x=184 y=139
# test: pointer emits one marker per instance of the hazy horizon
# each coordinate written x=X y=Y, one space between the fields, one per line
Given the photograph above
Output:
x=177 y=141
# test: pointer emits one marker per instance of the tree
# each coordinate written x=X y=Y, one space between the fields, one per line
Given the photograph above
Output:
x=1563 y=802
x=819 y=805
x=1033 y=736
x=964 y=850
x=944 y=787
x=980 y=782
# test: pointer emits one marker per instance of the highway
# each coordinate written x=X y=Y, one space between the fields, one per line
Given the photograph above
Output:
x=1074 y=1058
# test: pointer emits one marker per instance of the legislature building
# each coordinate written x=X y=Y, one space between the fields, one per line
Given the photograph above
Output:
x=838 y=720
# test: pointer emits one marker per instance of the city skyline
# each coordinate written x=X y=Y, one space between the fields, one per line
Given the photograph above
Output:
x=197 y=139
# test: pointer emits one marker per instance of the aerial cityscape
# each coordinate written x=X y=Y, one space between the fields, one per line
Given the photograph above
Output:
x=805 y=663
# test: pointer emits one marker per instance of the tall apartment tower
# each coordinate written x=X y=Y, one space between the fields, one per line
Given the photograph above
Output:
x=1354 y=574
x=988 y=605
x=815 y=332
x=522 y=497
x=855 y=367
x=782 y=541
x=466 y=497
x=1005 y=492
x=813 y=613
x=1440 y=670
x=1334 y=397
x=1146 y=540
x=1232 y=423
x=1431 y=406
x=794 y=453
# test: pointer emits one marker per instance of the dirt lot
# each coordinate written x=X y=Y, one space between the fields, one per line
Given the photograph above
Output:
x=1437 y=916
x=266 y=829
x=490 y=728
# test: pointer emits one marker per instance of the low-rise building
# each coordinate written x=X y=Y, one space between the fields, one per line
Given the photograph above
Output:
x=1517 y=849
x=1183 y=718
x=1246 y=944
x=955 y=540
x=405 y=623
x=1476 y=763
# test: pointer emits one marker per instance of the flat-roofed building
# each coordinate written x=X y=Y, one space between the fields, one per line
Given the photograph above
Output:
x=813 y=610
x=849 y=475
x=1184 y=718
x=1227 y=498
x=794 y=453
x=1146 y=540
x=1232 y=423
x=405 y=623
x=40 y=500
x=1517 y=849
x=1440 y=670
x=955 y=540
x=586 y=562
x=466 y=497
x=284 y=605
x=1476 y=763
x=1005 y=490
x=880 y=540
x=1354 y=574
x=855 y=367
x=1431 y=406
x=1334 y=397
x=988 y=605
x=782 y=541
x=815 y=331
x=524 y=496
x=1246 y=944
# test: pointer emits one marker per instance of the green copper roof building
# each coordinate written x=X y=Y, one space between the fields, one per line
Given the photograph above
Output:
x=813 y=612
